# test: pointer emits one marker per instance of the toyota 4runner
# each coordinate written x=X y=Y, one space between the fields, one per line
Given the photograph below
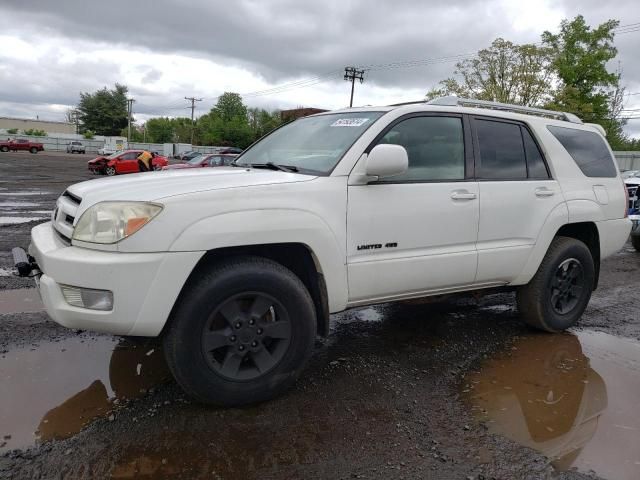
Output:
x=238 y=268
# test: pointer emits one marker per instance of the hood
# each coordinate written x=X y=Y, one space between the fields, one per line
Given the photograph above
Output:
x=149 y=186
x=98 y=159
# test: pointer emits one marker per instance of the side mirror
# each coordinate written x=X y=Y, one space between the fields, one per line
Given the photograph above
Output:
x=386 y=161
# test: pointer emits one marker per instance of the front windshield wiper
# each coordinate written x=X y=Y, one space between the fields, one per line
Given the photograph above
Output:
x=274 y=166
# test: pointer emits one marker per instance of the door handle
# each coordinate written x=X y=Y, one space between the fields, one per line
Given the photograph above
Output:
x=544 y=192
x=462 y=195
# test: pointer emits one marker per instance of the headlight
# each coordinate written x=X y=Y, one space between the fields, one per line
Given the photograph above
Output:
x=110 y=222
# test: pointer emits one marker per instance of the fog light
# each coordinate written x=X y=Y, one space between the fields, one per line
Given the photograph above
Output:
x=88 y=298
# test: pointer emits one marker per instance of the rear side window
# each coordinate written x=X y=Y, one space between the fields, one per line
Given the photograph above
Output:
x=588 y=150
x=535 y=163
x=502 y=154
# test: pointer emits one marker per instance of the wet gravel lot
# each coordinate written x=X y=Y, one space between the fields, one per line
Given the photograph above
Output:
x=453 y=388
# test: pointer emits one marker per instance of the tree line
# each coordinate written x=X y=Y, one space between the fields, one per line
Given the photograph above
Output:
x=229 y=123
x=567 y=71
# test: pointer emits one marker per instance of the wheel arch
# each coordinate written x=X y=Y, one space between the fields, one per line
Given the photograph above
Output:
x=297 y=257
x=587 y=233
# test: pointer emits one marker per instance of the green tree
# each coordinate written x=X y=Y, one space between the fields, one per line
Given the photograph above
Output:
x=88 y=134
x=12 y=131
x=227 y=123
x=104 y=111
x=504 y=72
x=159 y=130
x=262 y=122
x=586 y=87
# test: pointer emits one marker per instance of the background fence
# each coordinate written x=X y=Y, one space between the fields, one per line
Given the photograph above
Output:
x=626 y=160
x=59 y=144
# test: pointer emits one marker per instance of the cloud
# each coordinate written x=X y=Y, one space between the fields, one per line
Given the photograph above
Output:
x=167 y=49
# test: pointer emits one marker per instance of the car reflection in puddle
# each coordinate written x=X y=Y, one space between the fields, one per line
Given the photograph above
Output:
x=59 y=387
x=560 y=395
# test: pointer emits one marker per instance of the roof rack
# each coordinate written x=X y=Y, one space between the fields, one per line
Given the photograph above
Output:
x=451 y=101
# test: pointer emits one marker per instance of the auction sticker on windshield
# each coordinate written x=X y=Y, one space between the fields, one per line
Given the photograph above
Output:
x=350 y=122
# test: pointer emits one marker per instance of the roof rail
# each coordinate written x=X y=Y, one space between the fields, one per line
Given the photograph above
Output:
x=415 y=102
x=451 y=101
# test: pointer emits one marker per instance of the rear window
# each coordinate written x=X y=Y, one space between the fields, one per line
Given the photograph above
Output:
x=588 y=150
x=502 y=154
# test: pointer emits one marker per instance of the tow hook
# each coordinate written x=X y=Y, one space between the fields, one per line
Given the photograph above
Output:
x=24 y=263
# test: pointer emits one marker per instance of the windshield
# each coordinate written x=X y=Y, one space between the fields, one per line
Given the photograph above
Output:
x=195 y=160
x=114 y=155
x=315 y=144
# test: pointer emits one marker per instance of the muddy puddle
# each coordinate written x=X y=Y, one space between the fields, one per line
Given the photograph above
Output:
x=21 y=300
x=573 y=398
x=52 y=390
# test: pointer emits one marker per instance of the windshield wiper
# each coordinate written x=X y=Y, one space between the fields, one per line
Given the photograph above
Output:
x=274 y=166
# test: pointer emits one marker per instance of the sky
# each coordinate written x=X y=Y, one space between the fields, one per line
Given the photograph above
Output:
x=278 y=53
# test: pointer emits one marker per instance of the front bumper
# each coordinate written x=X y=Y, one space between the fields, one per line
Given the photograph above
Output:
x=145 y=286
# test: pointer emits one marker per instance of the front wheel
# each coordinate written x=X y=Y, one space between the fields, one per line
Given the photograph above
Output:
x=4 y=149
x=33 y=150
x=559 y=292
x=110 y=171
x=242 y=333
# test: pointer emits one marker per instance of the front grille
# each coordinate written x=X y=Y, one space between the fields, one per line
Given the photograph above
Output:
x=634 y=201
x=66 y=240
x=75 y=199
x=64 y=215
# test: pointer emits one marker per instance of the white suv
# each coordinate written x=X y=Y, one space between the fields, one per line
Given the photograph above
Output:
x=76 y=147
x=238 y=268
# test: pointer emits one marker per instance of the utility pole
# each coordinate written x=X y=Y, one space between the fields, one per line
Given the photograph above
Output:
x=352 y=74
x=193 y=101
x=129 y=110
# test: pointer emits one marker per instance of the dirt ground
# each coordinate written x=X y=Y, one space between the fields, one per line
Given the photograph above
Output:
x=456 y=388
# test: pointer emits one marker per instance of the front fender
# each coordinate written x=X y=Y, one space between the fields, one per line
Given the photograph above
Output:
x=258 y=227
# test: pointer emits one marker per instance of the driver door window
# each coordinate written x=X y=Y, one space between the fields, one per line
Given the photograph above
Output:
x=435 y=146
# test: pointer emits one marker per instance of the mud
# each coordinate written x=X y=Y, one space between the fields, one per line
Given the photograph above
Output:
x=383 y=397
x=89 y=378
x=571 y=397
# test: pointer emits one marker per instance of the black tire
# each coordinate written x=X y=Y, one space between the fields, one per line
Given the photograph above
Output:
x=635 y=241
x=5 y=149
x=33 y=150
x=559 y=292
x=201 y=370
x=110 y=171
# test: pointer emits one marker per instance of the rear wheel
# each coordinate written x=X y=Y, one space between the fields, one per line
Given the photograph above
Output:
x=635 y=241
x=110 y=171
x=558 y=294
x=33 y=150
x=4 y=148
x=242 y=334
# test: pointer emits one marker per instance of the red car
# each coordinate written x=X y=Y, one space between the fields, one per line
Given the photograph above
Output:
x=21 y=144
x=123 y=162
x=205 y=160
